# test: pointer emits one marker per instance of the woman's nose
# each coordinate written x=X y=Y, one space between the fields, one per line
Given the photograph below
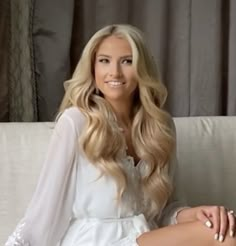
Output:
x=115 y=70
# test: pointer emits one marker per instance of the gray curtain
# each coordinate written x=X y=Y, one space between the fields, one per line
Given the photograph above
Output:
x=52 y=30
x=230 y=69
x=22 y=94
x=193 y=43
x=4 y=53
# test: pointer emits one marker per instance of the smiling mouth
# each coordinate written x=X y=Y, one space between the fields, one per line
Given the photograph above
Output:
x=115 y=83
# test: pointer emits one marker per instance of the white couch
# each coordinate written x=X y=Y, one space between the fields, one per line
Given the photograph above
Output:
x=206 y=153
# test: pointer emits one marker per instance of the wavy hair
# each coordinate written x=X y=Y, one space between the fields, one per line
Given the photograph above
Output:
x=151 y=132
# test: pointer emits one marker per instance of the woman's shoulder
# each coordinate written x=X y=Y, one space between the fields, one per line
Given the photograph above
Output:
x=75 y=116
x=73 y=112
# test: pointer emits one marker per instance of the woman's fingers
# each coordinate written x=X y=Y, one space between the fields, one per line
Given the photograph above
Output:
x=231 y=218
x=204 y=218
x=223 y=224
x=219 y=219
x=216 y=221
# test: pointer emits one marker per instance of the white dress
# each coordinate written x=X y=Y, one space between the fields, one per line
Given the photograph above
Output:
x=72 y=206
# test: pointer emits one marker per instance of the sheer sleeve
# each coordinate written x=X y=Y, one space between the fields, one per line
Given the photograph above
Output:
x=48 y=214
x=177 y=201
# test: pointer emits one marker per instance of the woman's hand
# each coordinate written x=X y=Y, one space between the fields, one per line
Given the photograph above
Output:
x=218 y=218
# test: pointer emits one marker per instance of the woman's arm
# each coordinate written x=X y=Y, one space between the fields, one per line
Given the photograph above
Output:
x=50 y=209
x=217 y=218
x=177 y=201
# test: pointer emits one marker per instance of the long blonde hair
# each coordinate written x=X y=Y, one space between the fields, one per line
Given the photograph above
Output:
x=151 y=133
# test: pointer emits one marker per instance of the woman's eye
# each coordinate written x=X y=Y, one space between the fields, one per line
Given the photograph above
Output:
x=103 y=60
x=127 y=61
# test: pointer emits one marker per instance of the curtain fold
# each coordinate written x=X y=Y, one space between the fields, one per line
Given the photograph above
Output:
x=4 y=51
x=51 y=34
x=231 y=98
x=206 y=57
x=178 y=57
x=20 y=83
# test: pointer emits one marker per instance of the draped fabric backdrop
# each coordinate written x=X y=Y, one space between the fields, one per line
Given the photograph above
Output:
x=192 y=41
x=4 y=41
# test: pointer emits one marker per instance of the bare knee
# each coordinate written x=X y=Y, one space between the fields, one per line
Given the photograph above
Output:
x=193 y=233
x=228 y=241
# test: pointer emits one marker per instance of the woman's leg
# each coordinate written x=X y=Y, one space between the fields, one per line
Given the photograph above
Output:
x=186 y=234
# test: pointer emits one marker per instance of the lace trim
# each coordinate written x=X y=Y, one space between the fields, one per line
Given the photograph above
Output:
x=16 y=238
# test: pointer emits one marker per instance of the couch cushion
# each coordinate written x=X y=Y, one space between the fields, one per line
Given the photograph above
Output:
x=23 y=146
x=206 y=149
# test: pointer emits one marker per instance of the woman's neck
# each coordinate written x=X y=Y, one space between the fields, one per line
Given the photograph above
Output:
x=123 y=114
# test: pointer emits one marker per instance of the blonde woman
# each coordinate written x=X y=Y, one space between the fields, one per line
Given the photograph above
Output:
x=107 y=177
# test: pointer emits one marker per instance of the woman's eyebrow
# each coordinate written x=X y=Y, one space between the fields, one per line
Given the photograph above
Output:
x=125 y=56
x=103 y=55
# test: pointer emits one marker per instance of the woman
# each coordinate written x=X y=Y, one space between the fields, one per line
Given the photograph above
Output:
x=107 y=177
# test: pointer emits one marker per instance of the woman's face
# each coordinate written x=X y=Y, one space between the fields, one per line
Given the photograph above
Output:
x=114 y=73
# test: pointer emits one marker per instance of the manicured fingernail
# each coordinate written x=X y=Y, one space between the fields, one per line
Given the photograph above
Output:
x=216 y=236
x=231 y=233
x=221 y=238
x=208 y=224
